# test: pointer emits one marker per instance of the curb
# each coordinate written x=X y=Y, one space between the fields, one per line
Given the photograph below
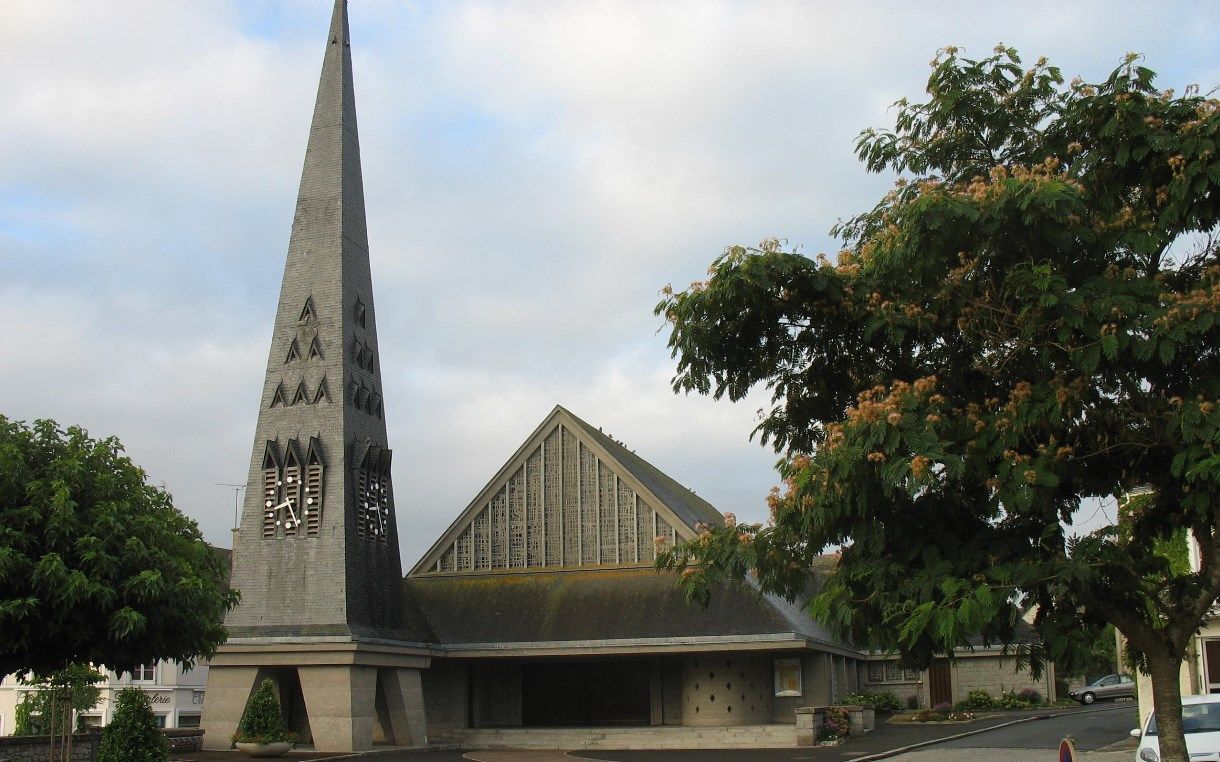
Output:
x=393 y=750
x=934 y=741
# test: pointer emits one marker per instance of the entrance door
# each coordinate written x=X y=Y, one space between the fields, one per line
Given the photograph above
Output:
x=585 y=694
x=1211 y=665
x=940 y=683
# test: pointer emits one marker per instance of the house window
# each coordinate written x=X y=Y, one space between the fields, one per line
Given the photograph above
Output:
x=161 y=720
x=145 y=673
x=890 y=672
x=788 y=677
x=188 y=720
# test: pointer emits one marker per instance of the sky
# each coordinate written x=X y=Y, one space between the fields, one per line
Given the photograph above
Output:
x=535 y=172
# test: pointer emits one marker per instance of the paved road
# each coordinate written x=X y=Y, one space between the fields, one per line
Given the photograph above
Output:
x=1093 y=728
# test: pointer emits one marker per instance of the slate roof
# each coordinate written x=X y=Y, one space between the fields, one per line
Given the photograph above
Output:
x=688 y=506
x=594 y=605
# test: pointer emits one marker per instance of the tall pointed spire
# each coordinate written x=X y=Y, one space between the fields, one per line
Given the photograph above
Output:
x=335 y=540
x=331 y=198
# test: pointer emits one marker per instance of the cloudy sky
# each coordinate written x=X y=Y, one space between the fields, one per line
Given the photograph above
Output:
x=535 y=173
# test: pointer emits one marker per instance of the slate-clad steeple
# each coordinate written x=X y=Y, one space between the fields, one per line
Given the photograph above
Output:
x=317 y=554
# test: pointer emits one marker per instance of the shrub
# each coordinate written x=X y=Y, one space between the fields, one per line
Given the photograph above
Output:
x=1013 y=700
x=132 y=735
x=977 y=700
x=886 y=701
x=1030 y=695
x=262 y=721
x=835 y=723
x=930 y=715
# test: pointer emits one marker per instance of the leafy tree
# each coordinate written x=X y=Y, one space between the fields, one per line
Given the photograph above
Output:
x=96 y=565
x=261 y=720
x=59 y=695
x=1028 y=319
x=132 y=735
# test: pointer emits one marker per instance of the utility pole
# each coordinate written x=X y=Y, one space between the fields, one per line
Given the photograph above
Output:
x=237 y=490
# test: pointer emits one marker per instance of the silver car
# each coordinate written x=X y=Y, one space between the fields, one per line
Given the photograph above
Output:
x=1108 y=687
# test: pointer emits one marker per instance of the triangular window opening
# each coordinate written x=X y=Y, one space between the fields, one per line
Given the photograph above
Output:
x=358 y=352
x=315 y=349
x=278 y=397
x=269 y=459
x=301 y=395
x=290 y=457
x=314 y=457
x=307 y=315
x=294 y=352
x=370 y=404
x=323 y=392
x=370 y=361
x=360 y=397
x=361 y=314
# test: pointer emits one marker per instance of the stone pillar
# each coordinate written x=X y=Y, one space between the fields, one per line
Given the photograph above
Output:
x=808 y=723
x=340 y=704
x=229 y=687
x=405 y=700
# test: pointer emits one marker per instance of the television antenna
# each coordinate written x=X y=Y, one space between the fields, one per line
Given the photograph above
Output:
x=237 y=490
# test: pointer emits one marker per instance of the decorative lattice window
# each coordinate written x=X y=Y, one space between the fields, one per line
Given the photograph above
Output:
x=499 y=530
x=271 y=490
x=607 y=531
x=481 y=527
x=516 y=520
x=535 y=527
x=569 y=453
x=644 y=533
x=590 y=552
x=552 y=498
x=627 y=550
x=314 y=468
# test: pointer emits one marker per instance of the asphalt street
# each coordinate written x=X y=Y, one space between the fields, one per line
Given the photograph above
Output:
x=1093 y=728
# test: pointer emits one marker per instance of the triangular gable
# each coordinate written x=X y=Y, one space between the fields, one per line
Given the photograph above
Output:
x=564 y=499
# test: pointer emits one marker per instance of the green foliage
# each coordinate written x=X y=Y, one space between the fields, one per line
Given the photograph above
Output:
x=262 y=720
x=885 y=701
x=132 y=735
x=56 y=698
x=1094 y=658
x=1027 y=320
x=96 y=565
x=978 y=700
x=27 y=720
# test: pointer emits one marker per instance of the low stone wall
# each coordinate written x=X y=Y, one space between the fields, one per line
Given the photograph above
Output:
x=38 y=748
x=85 y=745
x=184 y=739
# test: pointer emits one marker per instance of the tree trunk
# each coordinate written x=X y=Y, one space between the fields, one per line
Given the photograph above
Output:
x=1167 y=703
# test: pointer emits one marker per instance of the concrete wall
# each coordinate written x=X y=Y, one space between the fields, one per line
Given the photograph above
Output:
x=446 y=685
x=728 y=688
x=996 y=675
x=816 y=687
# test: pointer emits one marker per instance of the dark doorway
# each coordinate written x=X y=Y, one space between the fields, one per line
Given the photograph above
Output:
x=940 y=683
x=566 y=694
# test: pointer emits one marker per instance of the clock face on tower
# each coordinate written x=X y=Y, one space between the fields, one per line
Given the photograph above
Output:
x=292 y=493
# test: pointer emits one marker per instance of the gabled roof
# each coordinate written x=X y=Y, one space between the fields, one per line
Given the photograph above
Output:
x=599 y=608
x=683 y=509
x=686 y=505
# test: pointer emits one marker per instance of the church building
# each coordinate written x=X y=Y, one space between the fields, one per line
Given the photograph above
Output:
x=538 y=607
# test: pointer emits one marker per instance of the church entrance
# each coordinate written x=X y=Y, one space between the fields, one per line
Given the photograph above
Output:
x=568 y=694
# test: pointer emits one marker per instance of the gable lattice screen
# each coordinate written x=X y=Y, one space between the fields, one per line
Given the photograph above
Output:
x=562 y=507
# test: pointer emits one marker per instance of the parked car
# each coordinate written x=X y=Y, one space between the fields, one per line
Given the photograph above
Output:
x=1108 y=687
x=1200 y=720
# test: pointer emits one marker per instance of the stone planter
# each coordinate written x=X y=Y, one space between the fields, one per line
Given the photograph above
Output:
x=277 y=749
x=855 y=716
x=870 y=718
x=808 y=724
